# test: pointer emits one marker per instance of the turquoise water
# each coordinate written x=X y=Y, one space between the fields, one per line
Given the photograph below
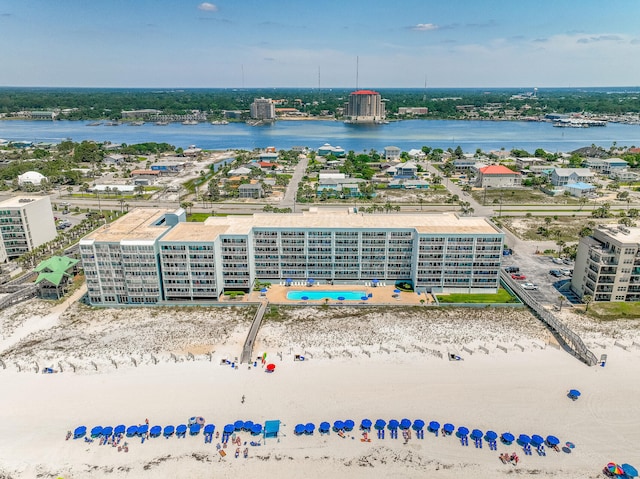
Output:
x=316 y=295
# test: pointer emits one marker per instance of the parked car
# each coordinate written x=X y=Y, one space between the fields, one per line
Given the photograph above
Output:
x=512 y=269
x=555 y=272
x=557 y=260
x=567 y=261
x=519 y=277
x=567 y=272
x=529 y=286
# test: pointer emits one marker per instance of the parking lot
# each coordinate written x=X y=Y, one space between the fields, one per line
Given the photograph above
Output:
x=536 y=270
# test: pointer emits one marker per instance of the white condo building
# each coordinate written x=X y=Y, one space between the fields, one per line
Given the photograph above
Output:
x=152 y=256
x=26 y=222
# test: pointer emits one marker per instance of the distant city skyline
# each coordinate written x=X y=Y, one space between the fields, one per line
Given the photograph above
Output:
x=293 y=43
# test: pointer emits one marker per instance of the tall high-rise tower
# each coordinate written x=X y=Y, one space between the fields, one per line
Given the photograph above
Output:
x=365 y=106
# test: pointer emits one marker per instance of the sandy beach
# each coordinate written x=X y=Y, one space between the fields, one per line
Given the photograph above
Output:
x=388 y=363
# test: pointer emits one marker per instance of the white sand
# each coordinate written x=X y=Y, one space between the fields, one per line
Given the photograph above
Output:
x=516 y=391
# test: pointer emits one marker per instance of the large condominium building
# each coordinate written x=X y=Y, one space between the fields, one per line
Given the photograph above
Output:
x=607 y=265
x=263 y=109
x=364 y=106
x=152 y=256
x=25 y=223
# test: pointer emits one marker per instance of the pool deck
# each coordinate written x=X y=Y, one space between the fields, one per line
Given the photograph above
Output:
x=381 y=294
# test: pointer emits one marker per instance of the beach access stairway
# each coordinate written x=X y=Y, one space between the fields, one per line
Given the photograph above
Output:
x=24 y=293
x=247 y=349
x=572 y=341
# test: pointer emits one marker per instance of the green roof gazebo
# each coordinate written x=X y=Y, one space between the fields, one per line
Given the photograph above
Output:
x=54 y=275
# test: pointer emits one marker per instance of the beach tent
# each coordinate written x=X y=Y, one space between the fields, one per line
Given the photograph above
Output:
x=155 y=431
x=208 y=429
x=79 y=432
x=405 y=423
x=271 y=428
x=365 y=424
x=418 y=425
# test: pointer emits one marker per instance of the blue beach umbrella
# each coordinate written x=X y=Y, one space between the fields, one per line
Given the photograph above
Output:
x=396 y=291
x=181 y=429
x=380 y=424
x=393 y=424
x=536 y=440
x=119 y=429
x=107 y=431
x=405 y=423
x=208 y=429
x=434 y=426
x=463 y=431
x=155 y=431
x=338 y=425
x=553 y=441
x=324 y=426
x=264 y=290
x=418 y=425
x=349 y=425
x=229 y=428
x=132 y=431
x=309 y=428
x=238 y=425
x=523 y=439
x=79 y=431
x=288 y=281
x=448 y=428
x=491 y=435
x=365 y=424
x=629 y=470
x=194 y=429
x=574 y=393
x=507 y=437
x=169 y=430
x=310 y=281
x=142 y=430
x=374 y=281
x=96 y=431
x=247 y=425
x=476 y=434
x=299 y=429
x=256 y=429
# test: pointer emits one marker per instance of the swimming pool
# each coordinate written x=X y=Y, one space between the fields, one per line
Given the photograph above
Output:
x=316 y=295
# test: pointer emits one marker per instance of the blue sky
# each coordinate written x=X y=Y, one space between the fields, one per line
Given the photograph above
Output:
x=285 y=43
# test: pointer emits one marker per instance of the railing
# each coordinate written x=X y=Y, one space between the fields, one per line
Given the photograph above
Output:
x=247 y=349
x=571 y=339
x=23 y=294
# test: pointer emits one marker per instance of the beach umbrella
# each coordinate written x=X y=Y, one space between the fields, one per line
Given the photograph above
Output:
x=142 y=430
x=536 y=440
x=169 y=430
x=132 y=431
x=256 y=429
x=448 y=428
x=405 y=424
x=629 y=470
x=271 y=367
x=229 y=428
x=194 y=429
x=264 y=290
x=574 y=393
x=208 y=429
x=79 y=431
x=119 y=429
x=393 y=424
x=365 y=424
x=614 y=469
x=338 y=425
x=96 y=431
x=396 y=291
x=418 y=425
x=288 y=280
x=238 y=425
x=476 y=434
x=309 y=428
x=491 y=435
x=374 y=281
x=324 y=426
x=107 y=431
x=380 y=424
x=181 y=428
x=299 y=429
x=524 y=439
x=247 y=425
x=507 y=437
x=553 y=441
x=310 y=281
x=434 y=426
x=155 y=431
x=200 y=420
x=349 y=425
x=463 y=431
x=341 y=298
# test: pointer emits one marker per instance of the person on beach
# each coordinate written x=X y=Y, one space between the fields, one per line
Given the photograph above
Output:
x=242 y=399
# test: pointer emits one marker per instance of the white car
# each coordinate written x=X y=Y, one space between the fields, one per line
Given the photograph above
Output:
x=557 y=260
x=529 y=286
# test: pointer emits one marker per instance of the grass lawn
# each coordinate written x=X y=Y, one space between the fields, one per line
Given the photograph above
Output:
x=502 y=296
x=613 y=311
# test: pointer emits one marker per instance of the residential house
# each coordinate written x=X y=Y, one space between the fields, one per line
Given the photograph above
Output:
x=406 y=170
x=392 y=153
x=579 y=189
x=408 y=184
x=498 y=176
x=54 y=275
x=113 y=159
x=562 y=176
x=250 y=190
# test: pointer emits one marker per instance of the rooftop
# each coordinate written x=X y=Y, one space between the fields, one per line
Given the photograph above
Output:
x=137 y=225
x=19 y=201
x=497 y=170
x=365 y=92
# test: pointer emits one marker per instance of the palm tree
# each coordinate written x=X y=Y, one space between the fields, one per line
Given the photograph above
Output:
x=561 y=299
x=586 y=299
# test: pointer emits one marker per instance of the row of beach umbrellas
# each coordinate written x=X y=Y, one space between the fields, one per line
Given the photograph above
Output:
x=621 y=470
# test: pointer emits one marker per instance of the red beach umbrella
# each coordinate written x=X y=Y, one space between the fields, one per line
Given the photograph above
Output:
x=271 y=367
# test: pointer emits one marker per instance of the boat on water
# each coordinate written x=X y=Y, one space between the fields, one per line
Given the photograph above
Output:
x=220 y=122
x=190 y=122
x=137 y=123
x=95 y=123
x=162 y=123
x=578 y=123
x=112 y=123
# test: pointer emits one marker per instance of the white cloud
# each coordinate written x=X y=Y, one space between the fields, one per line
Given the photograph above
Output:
x=425 y=27
x=207 y=7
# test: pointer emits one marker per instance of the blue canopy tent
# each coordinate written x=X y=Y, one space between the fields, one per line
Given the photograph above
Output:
x=434 y=426
x=155 y=431
x=349 y=425
x=132 y=431
x=142 y=430
x=476 y=434
x=463 y=431
x=380 y=424
x=208 y=429
x=338 y=425
x=247 y=425
x=536 y=440
x=271 y=428
x=96 y=431
x=194 y=429
x=309 y=428
x=324 y=427
x=393 y=424
x=299 y=429
x=169 y=430
x=119 y=429
x=448 y=428
x=181 y=429
x=491 y=435
x=107 y=431
x=507 y=437
x=418 y=425
x=365 y=424
x=256 y=429
x=553 y=441
x=405 y=423
x=238 y=425
x=228 y=428
x=79 y=432
x=629 y=470
x=523 y=439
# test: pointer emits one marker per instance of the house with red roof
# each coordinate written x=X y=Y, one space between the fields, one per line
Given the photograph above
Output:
x=498 y=176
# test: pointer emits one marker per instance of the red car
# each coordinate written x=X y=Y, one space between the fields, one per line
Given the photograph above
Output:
x=518 y=276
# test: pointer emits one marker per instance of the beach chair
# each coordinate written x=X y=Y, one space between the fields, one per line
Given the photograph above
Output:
x=541 y=451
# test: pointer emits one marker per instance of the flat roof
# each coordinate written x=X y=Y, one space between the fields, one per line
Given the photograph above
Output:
x=19 y=201
x=194 y=232
x=137 y=225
